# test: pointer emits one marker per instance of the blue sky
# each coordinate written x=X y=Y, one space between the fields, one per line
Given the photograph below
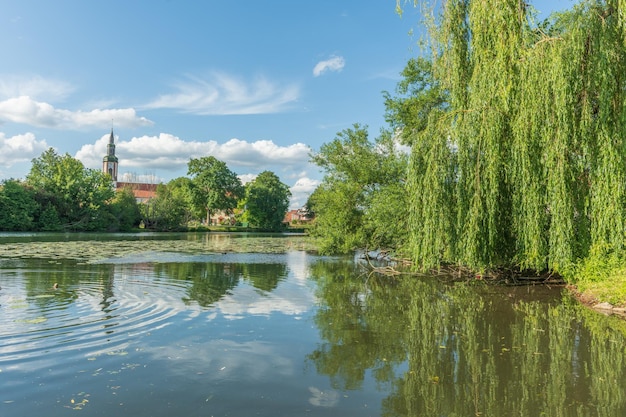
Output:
x=258 y=85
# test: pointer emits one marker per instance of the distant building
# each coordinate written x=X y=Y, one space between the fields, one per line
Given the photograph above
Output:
x=300 y=215
x=142 y=191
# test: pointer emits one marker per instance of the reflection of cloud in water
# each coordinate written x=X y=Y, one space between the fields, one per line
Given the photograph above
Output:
x=319 y=398
x=226 y=359
x=298 y=264
x=288 y=299
x=127 y=300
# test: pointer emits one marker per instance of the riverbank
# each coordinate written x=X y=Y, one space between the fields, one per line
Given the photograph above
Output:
x=597 y=297
x=598 y=282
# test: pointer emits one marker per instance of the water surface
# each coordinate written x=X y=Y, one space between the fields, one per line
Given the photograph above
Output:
x=231 y=325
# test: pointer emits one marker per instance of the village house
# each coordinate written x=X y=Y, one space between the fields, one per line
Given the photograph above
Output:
x=300 y=215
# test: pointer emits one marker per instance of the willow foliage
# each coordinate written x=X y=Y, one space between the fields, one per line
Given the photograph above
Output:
x=526 y=167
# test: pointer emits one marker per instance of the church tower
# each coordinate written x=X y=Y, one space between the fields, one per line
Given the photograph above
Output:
x=109 y=162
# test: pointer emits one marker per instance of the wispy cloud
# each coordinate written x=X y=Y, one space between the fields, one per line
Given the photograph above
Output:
x=28 y=111
x=333 y=64
x=34 y=86
x=223 y=94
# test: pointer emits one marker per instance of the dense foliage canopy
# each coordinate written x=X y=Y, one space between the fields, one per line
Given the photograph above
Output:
x=267 y=201
x=526 y=164
x=517 y=144
x=68 y=196
x=214 y=186
x=362 y=199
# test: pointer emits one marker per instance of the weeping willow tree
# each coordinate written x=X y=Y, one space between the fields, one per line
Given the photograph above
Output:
x=526 y=166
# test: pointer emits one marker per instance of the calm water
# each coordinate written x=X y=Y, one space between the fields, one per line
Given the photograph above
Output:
x=209 y=330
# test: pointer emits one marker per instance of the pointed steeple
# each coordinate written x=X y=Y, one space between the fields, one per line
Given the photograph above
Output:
x=109 y=162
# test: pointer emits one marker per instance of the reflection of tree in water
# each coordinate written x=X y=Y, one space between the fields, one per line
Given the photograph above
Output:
x=459 y=350
x=73 y=282
x=265 y=277
x=41 y=274
x=211 y=281
x=359 y=325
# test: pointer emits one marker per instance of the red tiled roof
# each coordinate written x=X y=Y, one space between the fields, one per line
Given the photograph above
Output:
x=138 y=186
x=142 y=191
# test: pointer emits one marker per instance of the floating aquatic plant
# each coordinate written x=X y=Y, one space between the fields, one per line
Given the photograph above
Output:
x=96 y=250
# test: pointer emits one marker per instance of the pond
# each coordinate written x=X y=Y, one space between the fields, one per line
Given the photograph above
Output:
x=249 y=325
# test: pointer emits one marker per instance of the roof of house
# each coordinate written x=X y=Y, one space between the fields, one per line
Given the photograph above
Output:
x=141 y=190
x=137 y=186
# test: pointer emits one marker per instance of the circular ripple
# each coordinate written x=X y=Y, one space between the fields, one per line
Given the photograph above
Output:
x=91 y=318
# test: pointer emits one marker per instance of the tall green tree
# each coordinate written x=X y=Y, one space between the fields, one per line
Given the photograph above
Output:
x=17 y=206
x=215 y=187
x=125 y=210
x=166 y=211
x=361 y=201
x=181 y=190
x=78 y=195
x=526 y=165
x=419 y=101
x=267 y=201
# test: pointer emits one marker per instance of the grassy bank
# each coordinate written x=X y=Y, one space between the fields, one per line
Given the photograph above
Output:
x=600 y=278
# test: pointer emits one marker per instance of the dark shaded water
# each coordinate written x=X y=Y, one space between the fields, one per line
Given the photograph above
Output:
x=209 y=331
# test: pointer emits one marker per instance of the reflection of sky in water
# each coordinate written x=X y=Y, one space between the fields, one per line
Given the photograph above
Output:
x=128 y=337
x=96 y=316
x=242 y=338
x=327 y=398
x=288 y=298
x=223 y=359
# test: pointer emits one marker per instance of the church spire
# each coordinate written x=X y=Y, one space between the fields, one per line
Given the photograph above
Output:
x=109 y=162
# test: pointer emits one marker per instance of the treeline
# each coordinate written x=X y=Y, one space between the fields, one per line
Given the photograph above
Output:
x=517 y=139
x=60 y=194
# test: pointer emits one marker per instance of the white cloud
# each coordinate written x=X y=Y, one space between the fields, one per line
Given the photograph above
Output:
x=169 y=152
x=20 y=148
x=34 y=86
x=262 y=153
x=25 y=110
x=334 y=64
x=222 y=94
x=305 y=185
x=246 y=178
x=301 y=191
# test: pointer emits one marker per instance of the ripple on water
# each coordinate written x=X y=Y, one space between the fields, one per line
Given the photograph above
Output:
x=89 y=319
